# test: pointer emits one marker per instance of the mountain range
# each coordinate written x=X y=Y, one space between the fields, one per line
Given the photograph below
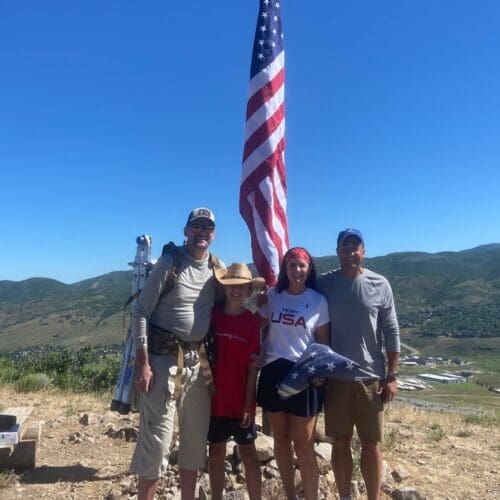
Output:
x=454 y=294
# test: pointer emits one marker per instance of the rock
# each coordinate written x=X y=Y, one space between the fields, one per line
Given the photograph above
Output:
x=386 y=489
x=271 y=472
x=240 y=478
x=265 y=448
x=324 y=450
x=354 y=489
x=128 y=486
x=126 y=433
x=204 y=481
x=407 y=494
x=112 y=495
x=271 y=488
x=232 y=451
x=399 y=474
x=321 y=437
x=202 y=493
x=324 y=488
x=75 y=438
x=420 y=462
x=323 y=465
x=231 y=483
x=89 y=419
x=238 y=468
x=235 y=495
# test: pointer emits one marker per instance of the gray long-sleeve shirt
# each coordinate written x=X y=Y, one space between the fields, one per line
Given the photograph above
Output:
x=185 y=310
x=363 y=318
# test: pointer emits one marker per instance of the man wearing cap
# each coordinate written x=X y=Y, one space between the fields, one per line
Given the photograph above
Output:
x=169 y=323
x=364 y=321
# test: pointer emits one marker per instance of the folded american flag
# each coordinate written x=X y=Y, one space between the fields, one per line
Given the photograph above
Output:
x=318 y=360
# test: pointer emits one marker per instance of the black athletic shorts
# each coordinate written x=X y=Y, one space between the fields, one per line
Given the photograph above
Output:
x=223 y=428
x=307 y=403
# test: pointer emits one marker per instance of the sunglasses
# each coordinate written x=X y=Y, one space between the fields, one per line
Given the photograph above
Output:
x=196 y=227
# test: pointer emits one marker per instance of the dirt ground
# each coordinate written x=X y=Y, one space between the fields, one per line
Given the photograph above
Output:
x=437 y=454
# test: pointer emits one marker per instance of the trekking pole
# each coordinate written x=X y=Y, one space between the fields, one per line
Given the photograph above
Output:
x=124 y=392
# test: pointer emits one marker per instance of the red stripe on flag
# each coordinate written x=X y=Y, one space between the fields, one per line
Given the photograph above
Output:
x=265 y=93
x=265 y=169
x=263 y=132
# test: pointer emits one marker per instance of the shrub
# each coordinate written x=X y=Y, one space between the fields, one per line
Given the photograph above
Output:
x=483 y=419
x=32 y=382
x=437 y=433
x=7 y=371
x=100 y=376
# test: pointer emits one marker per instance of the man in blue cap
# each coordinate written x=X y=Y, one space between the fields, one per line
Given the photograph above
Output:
x=363 y=321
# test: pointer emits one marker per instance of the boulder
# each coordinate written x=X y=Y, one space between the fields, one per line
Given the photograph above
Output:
x=323 y=450
x=265 y=448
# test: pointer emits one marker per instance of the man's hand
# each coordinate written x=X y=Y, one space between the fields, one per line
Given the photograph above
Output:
x=317 y=381
x=143 y=373
x=388 y=390
x=261 y=297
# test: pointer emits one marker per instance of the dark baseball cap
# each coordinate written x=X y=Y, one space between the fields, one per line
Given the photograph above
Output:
x=349 y=232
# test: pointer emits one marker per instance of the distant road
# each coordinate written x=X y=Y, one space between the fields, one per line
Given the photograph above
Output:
x=412 y=350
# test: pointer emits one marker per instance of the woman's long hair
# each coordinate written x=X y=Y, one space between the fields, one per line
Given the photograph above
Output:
x=283 y=281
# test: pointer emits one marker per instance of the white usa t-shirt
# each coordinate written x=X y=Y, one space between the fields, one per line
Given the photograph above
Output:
x=293 y=319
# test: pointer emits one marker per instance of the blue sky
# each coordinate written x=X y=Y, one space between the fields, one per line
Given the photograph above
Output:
x=118 y=117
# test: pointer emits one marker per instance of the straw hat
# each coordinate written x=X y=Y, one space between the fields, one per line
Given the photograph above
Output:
x=238 y=274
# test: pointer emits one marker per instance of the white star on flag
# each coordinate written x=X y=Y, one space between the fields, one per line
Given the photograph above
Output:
x=311 y=369
x=330 y=367
x=350 y=365
x=294 y=375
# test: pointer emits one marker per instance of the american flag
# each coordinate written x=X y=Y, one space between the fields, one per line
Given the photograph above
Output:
x=263 y=178
x=317 y=360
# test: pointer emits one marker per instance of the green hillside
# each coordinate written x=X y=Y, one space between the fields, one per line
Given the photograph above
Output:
x=450 y=294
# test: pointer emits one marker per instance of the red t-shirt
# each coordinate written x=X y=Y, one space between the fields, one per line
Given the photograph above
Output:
x=236 y=338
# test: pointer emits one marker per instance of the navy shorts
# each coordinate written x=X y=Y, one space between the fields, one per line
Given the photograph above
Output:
x=223 y=428
x=307 y=403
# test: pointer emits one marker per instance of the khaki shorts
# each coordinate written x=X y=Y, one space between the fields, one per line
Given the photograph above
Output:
x=354 y=403
x=156 y=425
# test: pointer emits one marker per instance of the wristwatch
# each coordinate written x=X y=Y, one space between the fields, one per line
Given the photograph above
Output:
x=391 y=376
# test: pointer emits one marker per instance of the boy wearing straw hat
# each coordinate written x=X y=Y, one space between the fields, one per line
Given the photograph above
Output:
x=237 y=337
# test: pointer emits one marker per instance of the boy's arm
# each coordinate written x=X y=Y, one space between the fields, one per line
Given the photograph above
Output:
x=248 y=415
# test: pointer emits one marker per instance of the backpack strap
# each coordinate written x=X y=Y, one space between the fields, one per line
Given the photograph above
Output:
x=219 y=295
x=172 y=249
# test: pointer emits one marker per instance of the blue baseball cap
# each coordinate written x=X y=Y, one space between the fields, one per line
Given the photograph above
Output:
x=350 y=231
